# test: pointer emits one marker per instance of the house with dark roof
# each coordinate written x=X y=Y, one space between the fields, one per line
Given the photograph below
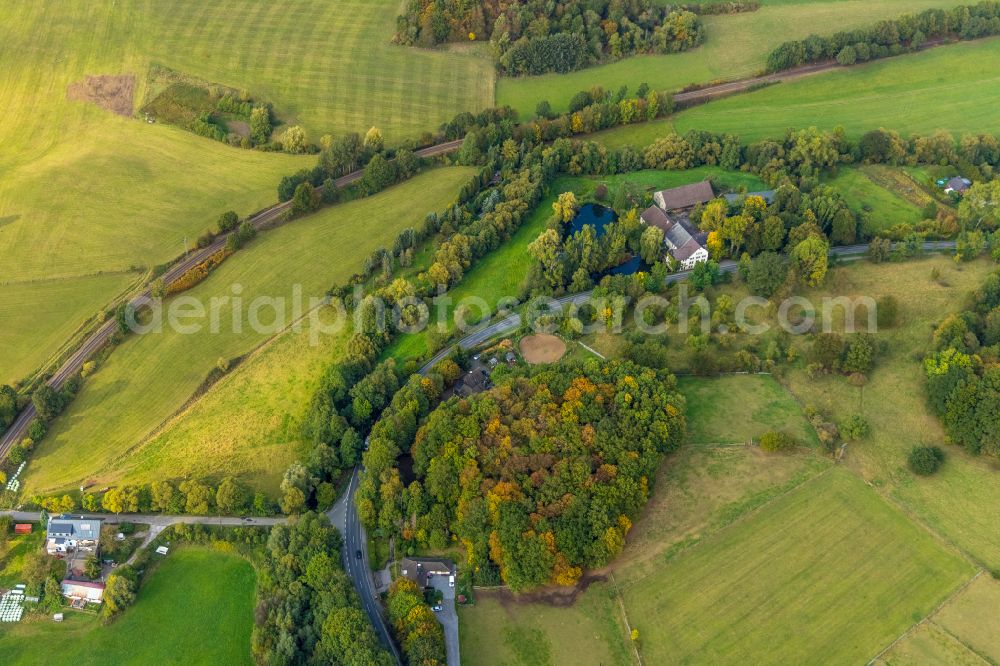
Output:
x=65 y=535
x=683 y=243
x=957 y=184
x=685 y=196
x=419 y=569
x=475 y=381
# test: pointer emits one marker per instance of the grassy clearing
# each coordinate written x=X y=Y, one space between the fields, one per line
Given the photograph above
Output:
x=196 y=608
x=736 y=46
x=885 y=208
x=928 y=644
x=150 y=377
x=39 y=316
x=861 y=98
x=752 y=405
x=972 y=617
x=497 y=631
x=827 y=569
x=955 y=502
x=13 y=553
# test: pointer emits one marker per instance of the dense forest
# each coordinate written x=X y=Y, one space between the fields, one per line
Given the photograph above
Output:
x=542 y=476
x=536 y=36
x=963 y=372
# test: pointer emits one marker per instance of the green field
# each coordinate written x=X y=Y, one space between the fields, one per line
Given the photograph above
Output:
x=972 y=616
x=929 y=644
x=13 y=553
x=752 y=404
x=86 y=191
x=869 y=96
x=955 y=502
x=328 y=66
x=149 y=377
x=827 y=569
x=498 y=630
x=736 y=46
x=40 y=316
x=195 y=608
x=884 y=207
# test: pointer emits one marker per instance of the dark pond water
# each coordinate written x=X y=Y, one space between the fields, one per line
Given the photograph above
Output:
x=595 y=215
x=630 y=267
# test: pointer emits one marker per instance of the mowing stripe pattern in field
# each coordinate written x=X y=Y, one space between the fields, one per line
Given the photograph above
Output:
x=829 y=569
x=329 y=66
x=150 y=377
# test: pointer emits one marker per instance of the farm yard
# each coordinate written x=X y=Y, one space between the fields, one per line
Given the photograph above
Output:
x=142 y=385
x=196 y=607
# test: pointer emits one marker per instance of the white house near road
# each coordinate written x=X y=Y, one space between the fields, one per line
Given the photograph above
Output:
x=680 y=242
x=65 y=535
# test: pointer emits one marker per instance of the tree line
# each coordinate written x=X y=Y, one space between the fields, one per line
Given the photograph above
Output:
x=890 y=37
x=536 y=36
x=963 y=372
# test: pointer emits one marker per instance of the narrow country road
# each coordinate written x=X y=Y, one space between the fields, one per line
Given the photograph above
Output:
x=15 y=433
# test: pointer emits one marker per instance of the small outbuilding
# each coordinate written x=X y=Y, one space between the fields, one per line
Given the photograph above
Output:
x=23 y=528
x=685 y=196
x=957 y=185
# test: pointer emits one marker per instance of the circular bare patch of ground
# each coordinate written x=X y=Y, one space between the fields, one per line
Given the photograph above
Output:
x=542 y=348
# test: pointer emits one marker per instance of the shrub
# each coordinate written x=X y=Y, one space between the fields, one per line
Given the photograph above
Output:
x=888 y=312
x=774 y=441
x=925 y=460
x=855 y=428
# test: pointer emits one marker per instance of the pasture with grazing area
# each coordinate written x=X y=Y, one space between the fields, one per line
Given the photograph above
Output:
x=752 y=405
x=195 y=607
x=827 y=569
x=149 y=377
x=736 y=46
x=956 y=501
x=860 y=98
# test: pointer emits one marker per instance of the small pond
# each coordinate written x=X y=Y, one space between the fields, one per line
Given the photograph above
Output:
x=595 y=215
x=630 y=267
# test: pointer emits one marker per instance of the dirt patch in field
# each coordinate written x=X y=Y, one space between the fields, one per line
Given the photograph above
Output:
x=111 y=93
x=239 y=127
x=542 y=348
x=552 y=596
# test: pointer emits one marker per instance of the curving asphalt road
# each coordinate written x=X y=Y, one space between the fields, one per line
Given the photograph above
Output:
x=15 y=433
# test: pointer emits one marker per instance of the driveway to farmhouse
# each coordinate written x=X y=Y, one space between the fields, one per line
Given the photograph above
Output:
x=448 y=617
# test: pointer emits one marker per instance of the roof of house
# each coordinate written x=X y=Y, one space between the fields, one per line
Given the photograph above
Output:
x=474 y=381
x=686 y=196
x=656 y=217
x=958 y=184
x=417 y=569
x=685 y=251
x=766 y=195
x=74 y=528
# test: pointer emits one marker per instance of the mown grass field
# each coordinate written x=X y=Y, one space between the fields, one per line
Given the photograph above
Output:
x=195 y=608
x=827 y=569
x=85 y=190
x=884 y=208
x=40 y=316
x=498 y=630
x=752 y=404
x=913 y=93
x=501 y=273
x=328 y=66
x=735 y=46
x=149 y=377
x=955 y=502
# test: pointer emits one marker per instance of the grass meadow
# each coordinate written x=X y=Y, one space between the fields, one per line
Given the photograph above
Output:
x=40 y=316
x=884 y=207
x=914 y=93
x=195 y=608
x=828 y=568
x=735 y=46
x=149 y=377
x=752 y=404
x=12 y=555
x=955 y=502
